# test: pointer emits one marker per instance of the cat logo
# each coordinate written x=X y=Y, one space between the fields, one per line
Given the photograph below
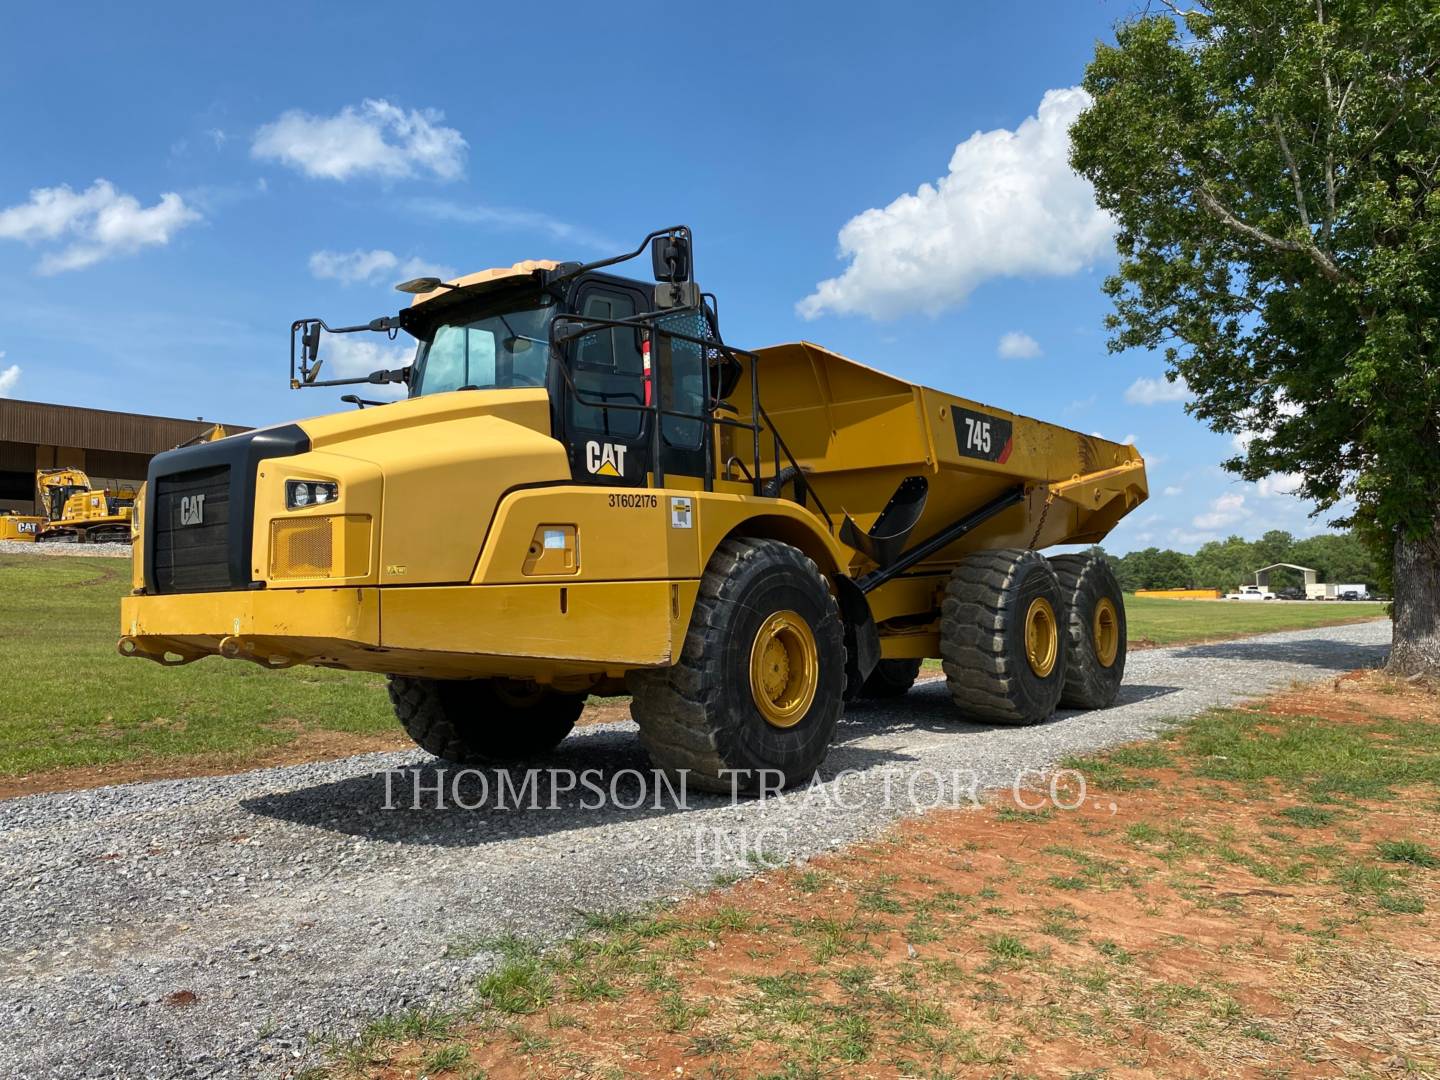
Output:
x=604 y=459
x=192 y=510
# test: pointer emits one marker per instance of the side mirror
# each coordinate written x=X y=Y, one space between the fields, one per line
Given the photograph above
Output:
x=310 y=343
x=684 y=294
x=670 y=257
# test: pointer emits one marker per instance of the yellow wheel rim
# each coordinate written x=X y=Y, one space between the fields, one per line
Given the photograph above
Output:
x=784 y=669
x=1105 y=630
x=1042 y=637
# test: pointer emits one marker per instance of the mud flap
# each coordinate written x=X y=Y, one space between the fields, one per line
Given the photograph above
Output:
x=862 y=639
x=887 y=537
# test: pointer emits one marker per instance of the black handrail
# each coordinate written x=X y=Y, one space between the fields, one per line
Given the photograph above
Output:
x=760 y=420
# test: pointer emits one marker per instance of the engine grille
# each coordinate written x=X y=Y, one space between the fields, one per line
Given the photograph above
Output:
x=190 y=516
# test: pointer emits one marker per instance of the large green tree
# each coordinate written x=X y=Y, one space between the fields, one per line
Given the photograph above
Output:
x=1273 y=167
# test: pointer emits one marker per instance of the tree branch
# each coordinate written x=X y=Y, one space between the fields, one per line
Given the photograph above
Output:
x=1217 y=210
x=1294 y=170
x=1202 y=8
x=1333 y=121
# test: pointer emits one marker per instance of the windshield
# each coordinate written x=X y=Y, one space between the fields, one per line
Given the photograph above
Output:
x=494 y=348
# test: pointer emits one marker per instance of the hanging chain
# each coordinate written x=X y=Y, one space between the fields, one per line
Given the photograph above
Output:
x=1044 y=512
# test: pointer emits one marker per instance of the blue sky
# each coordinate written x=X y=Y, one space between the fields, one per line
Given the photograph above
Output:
x=181 y=182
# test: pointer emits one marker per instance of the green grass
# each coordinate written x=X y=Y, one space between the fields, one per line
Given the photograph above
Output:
x=1166 y=621
x=71 y=700
x=1409 y=851
x=1329 y=762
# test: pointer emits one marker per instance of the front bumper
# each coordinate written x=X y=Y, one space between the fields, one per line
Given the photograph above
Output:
x=459 y=631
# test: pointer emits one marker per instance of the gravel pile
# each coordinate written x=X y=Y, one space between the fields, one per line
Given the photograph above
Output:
x=227 y=926
x=101 y=551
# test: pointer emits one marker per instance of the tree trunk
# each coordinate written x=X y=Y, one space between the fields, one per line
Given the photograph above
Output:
x=1415 y=646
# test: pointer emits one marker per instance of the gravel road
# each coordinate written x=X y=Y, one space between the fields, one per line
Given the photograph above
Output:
x=225 y=926
x=91 y=551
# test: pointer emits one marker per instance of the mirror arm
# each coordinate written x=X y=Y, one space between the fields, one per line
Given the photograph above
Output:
x=309 y=330
x=585 y=268
x=395 y=375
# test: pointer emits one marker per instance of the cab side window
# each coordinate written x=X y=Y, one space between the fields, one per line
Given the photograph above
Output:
x=609 y=368
x=682 y=383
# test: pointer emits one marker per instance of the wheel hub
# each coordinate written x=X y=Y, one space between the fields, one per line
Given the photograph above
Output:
x=1042 y=637
x=1105 y=631
x=784 y=669
x=519 y=693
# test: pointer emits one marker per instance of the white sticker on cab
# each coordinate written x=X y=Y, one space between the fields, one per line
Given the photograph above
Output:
x=680 y=517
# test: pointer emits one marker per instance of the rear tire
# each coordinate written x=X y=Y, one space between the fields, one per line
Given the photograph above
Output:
x=760 y=681
x=477 y=721
x=1095 y=627
x=891 y=679
x=1001 y=637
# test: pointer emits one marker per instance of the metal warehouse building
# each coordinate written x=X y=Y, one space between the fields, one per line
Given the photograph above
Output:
x=112 y=447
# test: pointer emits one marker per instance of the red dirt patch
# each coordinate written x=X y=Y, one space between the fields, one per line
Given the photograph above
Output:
x=1173 y=926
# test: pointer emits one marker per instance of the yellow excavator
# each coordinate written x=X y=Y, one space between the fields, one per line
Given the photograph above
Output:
x=76 y=511
x=22 y=527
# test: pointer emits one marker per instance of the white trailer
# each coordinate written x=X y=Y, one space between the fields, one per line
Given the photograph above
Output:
x=1335 y=591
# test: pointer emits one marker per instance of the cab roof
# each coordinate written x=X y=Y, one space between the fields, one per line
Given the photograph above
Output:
x=487 y=277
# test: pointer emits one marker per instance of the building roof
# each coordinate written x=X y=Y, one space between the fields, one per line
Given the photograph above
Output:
x=97 y=429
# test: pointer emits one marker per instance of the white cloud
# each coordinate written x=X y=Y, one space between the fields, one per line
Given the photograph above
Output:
x=376 y=138
x=1226 y=510
x=351 y=356
x=509 y=218
x=1129 y=440
x=349 y=267
x=1010 y=206
x=1173 y=490
x=1278 y=484
x=1146 y=391
x=1017 y=345
x=8 y=377
x=1183 y=538
x=1241 y=440
x=98 y=222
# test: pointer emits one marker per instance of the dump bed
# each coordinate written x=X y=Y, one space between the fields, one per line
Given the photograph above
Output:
x=857 y=433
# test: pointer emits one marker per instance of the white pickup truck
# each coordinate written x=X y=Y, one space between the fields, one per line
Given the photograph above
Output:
x=1251 y=592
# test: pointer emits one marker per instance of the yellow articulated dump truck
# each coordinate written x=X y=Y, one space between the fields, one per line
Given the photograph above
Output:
x=586 y=490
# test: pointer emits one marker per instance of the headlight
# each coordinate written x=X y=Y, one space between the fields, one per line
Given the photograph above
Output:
x=302 y=493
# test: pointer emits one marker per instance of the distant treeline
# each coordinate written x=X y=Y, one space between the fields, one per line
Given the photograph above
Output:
x=1226 y=564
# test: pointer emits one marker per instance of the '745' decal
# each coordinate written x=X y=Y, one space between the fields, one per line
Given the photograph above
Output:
x=980 y=435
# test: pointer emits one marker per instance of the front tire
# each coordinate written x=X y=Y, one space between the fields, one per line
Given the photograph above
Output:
x=760 y=681
x=479 y=721
x=1000 y=636
x=1095 y=627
